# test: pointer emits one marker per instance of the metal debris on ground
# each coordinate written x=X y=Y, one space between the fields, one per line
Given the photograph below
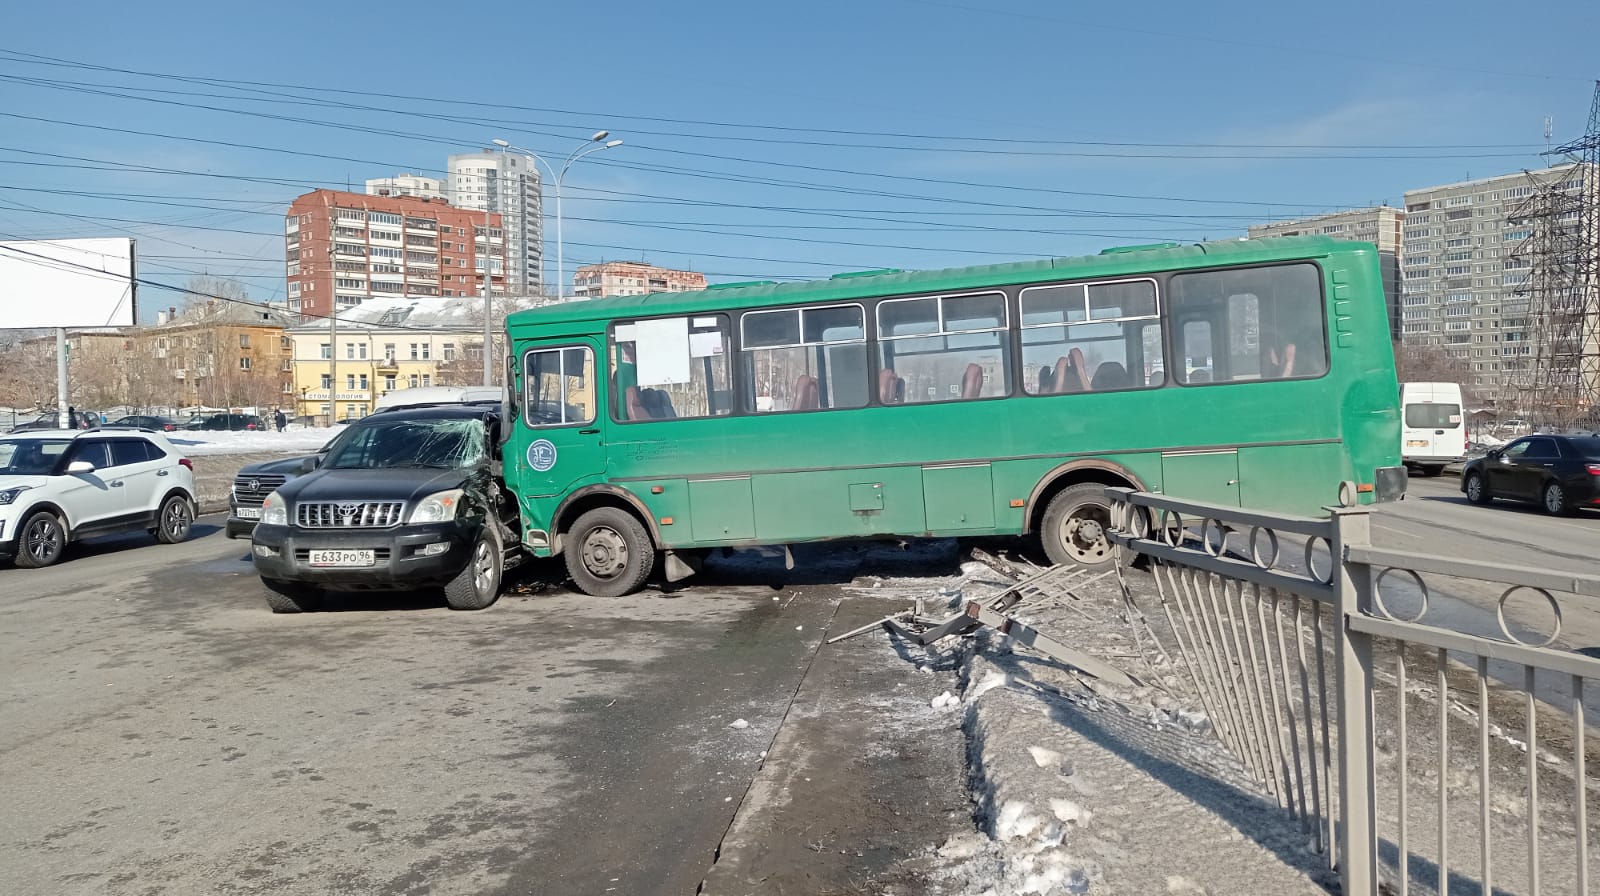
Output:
x=1024 y=590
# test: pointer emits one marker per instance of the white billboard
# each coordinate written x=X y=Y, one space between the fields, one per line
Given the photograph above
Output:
x=67 y=283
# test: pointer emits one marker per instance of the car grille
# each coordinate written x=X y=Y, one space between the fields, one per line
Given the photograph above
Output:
x=348 y=514
x=250 y=491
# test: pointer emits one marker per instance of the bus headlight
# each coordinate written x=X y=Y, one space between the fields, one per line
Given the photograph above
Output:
x=437 y=507
x=274 y=512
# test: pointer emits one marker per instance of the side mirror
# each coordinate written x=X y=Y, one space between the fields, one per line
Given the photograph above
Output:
x=80 y=466
x=310 y=464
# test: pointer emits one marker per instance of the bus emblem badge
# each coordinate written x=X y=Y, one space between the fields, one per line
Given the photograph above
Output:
x=541 y=455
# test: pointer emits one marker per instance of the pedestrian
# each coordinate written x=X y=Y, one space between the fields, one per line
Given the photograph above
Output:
x=279 y=418
x=72 y=416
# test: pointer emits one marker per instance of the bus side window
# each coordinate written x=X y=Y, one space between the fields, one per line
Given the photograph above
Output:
x=803 y=359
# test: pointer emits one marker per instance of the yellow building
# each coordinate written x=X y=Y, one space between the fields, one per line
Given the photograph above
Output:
x=383 y=345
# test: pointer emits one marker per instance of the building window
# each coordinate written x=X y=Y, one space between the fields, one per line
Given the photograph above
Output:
x=427 y=379
x=244 y=363
x=244 y=340
x=413 y=381
x=327 y=351
x=349 y=381
x=363 y=381
x=414 y=354
x=388 y=382
x=449 y=351
x=327 y=381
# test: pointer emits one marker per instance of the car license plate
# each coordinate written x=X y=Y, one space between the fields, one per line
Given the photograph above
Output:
x=341 y=558
x=249 y=513
x=1417 y=443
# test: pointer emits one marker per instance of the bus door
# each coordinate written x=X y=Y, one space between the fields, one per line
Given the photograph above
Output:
x=559 y=443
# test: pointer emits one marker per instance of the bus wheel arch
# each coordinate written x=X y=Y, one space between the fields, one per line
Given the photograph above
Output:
x=608 y=542
x=1070 y=516
x=581 y=502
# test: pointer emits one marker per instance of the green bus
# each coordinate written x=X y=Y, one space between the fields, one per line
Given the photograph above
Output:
x=990 y=400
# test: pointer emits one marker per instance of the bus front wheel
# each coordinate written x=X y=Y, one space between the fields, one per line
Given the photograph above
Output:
x=609 y=553
x=1074 y=531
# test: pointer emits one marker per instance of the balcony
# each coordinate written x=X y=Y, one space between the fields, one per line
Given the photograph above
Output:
x=388 y=364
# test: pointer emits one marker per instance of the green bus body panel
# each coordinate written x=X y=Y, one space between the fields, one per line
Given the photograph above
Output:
x=1210 y=475
x=958 y=467
x=958 y=498
x=721 y=510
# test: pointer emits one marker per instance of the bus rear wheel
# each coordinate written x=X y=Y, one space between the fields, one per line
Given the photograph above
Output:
x=609 y=553
x=1074 y=530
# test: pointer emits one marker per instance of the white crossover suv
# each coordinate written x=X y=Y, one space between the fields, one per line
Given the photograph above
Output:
x=57 y=486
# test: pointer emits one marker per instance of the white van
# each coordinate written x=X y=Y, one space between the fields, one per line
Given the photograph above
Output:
x=1433 y=426
x=439 y=395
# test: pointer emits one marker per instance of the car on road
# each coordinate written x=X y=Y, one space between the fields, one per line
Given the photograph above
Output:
x=144 y=421
x=254 y=482
x=57 y=486
x=1561 y=473
x=225 y=423
x=405 y=498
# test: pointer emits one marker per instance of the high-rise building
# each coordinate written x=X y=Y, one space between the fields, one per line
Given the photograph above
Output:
x=408 y=185
x=345 y=248
x=1379 y=225
x=1464 y=291
x=631 y=278
x=506 y=183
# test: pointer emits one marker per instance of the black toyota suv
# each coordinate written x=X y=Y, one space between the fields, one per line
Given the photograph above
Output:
x=403 y=499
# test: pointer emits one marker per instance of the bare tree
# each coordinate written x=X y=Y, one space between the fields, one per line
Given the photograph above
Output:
x=205 y=288
x=1431 y=364
x=28 y=376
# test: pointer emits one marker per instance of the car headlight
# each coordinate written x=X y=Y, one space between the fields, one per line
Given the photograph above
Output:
x=10 y=494
x=274 y=512
x=437 y=507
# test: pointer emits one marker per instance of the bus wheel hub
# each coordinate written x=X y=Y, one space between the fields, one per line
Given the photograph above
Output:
x=604 y=552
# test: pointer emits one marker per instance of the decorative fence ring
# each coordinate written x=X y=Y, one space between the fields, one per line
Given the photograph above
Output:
x=1172 y=528
x=1311 y=567
x=1255 y=548
x=1500 y=614
x=1205 y=536
x=1141 y=521
x=1377 y=594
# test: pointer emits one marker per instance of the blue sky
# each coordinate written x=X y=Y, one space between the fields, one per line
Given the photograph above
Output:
x=767 y=141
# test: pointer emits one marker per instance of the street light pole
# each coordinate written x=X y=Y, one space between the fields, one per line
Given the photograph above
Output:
x=561 y=270
x=488 y=300
x=583 y=149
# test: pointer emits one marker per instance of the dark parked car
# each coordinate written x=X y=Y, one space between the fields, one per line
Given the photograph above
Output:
x=254 y=482
x=43 y=421
x=144 y=421
x=406 y=498
x=1561 y=473
x=226 y=422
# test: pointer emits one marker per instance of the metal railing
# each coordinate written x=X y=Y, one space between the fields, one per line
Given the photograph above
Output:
x=1291 y=649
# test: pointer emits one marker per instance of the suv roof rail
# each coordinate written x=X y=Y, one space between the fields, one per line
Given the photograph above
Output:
x=123 y=429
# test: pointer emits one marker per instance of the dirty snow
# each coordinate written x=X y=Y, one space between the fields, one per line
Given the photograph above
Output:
x=290 y=441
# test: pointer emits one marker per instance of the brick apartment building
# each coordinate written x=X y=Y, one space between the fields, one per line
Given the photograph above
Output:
x=349 y=247
x=631 y=278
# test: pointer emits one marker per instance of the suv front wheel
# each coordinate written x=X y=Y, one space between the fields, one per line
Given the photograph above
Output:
x=291 y=597
x=478 y=583
x=40 y=540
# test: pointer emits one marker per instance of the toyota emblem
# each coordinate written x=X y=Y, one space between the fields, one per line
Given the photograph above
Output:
x=253 y=485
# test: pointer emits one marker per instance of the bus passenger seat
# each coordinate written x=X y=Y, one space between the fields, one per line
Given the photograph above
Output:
x=972 y=382
x=1110 y=375
x=1069 y=372
x=658 y=404
x=636 y=409
x=805 y=393
x=889 y=387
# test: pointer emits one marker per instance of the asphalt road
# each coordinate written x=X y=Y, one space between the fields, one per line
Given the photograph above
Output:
x=164 y=733
x=1436 y=518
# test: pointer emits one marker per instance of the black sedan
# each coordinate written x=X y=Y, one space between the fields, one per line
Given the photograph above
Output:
x=1561 y=473
x=144 y=421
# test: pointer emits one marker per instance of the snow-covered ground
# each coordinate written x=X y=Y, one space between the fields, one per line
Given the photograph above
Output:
x=304 y=440
x=1080 y=787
